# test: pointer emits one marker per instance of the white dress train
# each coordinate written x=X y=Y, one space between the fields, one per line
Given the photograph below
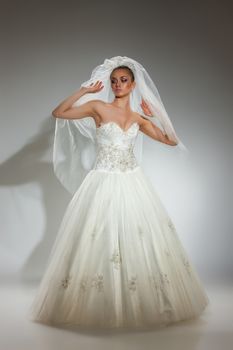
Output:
x=117 y=261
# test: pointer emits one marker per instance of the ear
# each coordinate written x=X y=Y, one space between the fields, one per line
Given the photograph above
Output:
x=133 y=84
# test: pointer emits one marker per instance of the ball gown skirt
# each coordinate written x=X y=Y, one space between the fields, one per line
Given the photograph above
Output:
x=117 y=261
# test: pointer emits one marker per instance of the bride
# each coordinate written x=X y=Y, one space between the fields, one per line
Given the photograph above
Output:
x=117 y=261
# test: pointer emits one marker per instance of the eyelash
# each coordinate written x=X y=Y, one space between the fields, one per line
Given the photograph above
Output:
x=123 y=80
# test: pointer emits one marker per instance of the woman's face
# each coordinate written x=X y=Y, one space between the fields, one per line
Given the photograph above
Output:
x=121 y=82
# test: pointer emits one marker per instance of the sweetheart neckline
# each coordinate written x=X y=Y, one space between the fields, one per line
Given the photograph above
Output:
x=112 y=122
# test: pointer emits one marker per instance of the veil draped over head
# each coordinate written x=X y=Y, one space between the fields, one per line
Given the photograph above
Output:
x=74 y=149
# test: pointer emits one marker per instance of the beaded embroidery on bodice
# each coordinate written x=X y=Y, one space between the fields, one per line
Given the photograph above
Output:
x=115 y=147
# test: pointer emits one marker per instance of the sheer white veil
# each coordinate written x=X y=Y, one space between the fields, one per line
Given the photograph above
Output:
x=74 y=149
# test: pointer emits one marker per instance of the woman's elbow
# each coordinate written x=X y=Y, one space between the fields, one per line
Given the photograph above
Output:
x=173 y=143
x=169 y=142
x=56 y=113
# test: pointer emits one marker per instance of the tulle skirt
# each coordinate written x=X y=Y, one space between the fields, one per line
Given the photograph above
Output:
x=117 y=261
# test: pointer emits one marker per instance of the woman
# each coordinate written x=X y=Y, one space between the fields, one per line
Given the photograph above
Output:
x=117 y=261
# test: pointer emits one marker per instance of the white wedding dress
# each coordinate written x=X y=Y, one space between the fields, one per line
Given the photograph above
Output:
x=117 y=261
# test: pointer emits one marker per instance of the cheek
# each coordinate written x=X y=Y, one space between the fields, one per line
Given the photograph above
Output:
x=127 y=86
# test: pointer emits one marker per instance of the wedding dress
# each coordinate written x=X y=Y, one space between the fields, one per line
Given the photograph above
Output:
x=117 y=261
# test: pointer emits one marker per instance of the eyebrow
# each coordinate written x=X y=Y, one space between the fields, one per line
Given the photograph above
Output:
x=122 y=76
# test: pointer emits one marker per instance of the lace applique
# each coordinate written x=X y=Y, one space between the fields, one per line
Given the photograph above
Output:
x=171 y=225
x=98 y=282
x=160 y=281
x=186 y=263
x=66 y=281
x=110 y=157
x=116 y=259
x=132 y=283
x=164 y=278
x=184 y=259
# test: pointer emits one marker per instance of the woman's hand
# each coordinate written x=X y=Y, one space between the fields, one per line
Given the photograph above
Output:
x=146 y=108
x=93 y=88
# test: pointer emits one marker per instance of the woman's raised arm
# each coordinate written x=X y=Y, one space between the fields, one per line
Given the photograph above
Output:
x=66 y=111
x=150 y=129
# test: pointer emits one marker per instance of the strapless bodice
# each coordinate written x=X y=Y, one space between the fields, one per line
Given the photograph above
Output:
x=115 y=147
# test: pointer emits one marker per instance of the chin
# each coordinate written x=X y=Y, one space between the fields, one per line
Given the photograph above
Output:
x=121 y=93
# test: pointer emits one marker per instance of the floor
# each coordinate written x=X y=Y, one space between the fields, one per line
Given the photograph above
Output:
x=213 y=330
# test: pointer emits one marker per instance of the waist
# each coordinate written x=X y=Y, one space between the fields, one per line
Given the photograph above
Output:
x=115 y=158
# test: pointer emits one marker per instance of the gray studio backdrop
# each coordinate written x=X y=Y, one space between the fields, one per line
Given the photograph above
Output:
x=48 y=49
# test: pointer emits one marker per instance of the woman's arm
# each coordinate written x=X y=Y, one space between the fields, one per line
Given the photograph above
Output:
x=66 y=111
x=150 y=129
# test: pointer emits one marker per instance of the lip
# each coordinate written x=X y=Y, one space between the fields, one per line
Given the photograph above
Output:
x=118 y=89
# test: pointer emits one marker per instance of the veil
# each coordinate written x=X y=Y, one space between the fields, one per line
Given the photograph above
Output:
x=74 y=148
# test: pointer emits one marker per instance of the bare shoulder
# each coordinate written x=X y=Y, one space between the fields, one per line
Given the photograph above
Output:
x=97 y=103
x=98 y=106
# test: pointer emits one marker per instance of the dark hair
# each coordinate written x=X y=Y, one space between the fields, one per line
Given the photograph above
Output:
x=124 y=67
